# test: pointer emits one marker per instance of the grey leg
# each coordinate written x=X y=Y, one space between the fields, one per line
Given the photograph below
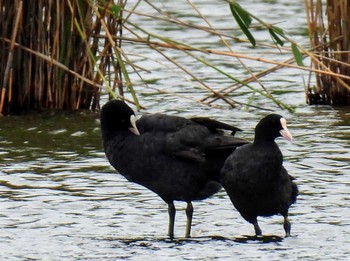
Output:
x=287 y=226
x=172 y=212
x=257 y=228
x=189 y=214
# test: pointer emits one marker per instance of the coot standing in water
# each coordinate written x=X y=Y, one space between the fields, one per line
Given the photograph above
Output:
x=177 y=158
x=255 y=179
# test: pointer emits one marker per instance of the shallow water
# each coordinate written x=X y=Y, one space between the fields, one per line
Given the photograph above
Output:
x=60 y=199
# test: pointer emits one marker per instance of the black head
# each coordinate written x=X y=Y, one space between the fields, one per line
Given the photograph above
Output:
x=271 y=127
x=115 y=116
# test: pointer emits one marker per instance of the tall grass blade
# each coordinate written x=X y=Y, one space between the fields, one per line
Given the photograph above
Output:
x=243 y=19
x=297 y=55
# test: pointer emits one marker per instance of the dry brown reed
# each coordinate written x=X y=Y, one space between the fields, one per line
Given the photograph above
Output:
x=329 y=31
x=50 y=57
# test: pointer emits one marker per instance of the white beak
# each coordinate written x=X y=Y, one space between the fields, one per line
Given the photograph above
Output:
x=285 y=132
x=133 y=129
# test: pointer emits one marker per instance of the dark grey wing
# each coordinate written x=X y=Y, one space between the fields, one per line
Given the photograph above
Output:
x=197 y=142
x=161 y=123
x=214 y=125
x=190 y=139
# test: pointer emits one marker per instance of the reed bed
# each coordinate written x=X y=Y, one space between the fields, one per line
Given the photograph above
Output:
x=329 y=31
x=50 y=57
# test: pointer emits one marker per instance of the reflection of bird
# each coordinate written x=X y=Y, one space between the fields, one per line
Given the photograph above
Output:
x=255 y=179
x=177 y=158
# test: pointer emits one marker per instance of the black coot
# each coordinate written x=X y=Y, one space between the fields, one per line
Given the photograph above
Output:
x=177 y=158
x=254 y=176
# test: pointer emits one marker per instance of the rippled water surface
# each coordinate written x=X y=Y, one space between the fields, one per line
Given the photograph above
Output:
x=60 y=199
